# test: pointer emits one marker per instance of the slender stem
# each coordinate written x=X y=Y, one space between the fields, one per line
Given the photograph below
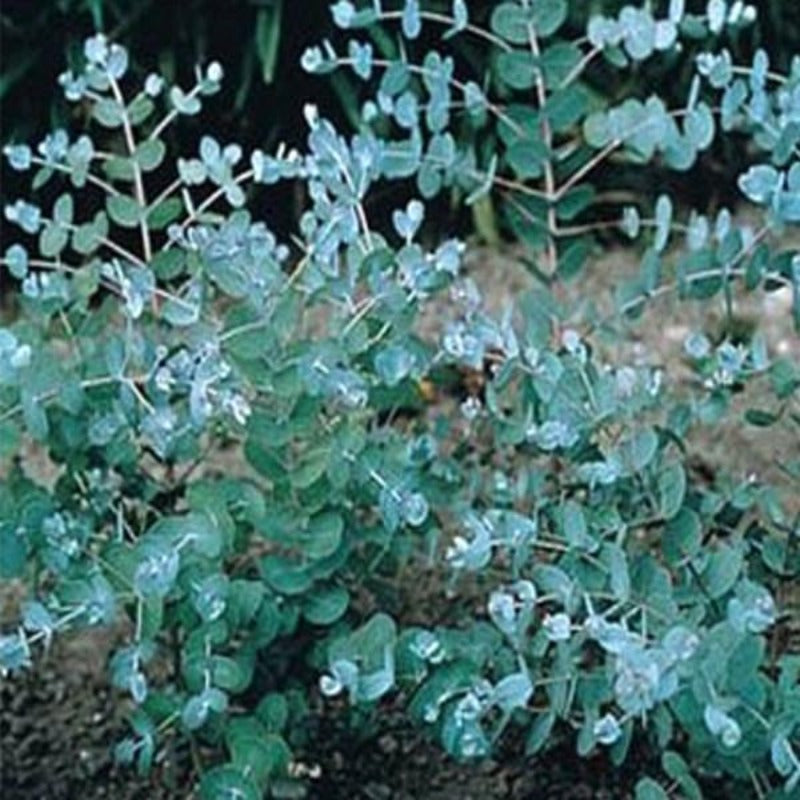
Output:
x=580 y=67
x=139 y=618
x=208 y=202
x=59 y=624
x=635 y=602
x=88 y=383
x=300 y=268
x=109 y=567
x=111 y=245
x=58 y=266
x=359 y=315
x=555 y=547
x=589 y=227
x=138 y=182
x=93 y=179
x=420 y=70
x=776 y=77
x=610 y=224
x=364 y=223
x=146 y=404
x=360 y=211
x=387 y=326
x=603 y=154
x=67 y=618
x=755 y=781
x=756 y=714
x=732 y=271
x=444 y=19
x=167 y=721
x=171 y=116
x=171 y=189
x=547 y=136
x=497 y=180
x=240 y=330
x=516 y=186
x=593 y=162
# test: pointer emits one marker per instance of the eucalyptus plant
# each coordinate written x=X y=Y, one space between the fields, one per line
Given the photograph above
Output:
x=223 y=408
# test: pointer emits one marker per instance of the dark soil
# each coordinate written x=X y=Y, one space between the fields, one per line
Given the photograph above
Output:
x=59 y=722
x=404 y=765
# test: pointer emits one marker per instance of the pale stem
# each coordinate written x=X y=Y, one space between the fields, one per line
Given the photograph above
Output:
x=109 y=243
x=88 y=383
x=580 y=67
x=603 y=154
x=360 y=212
x=170 y=190
x=208 y=202
x=359 y=315
x=138 y=182
x=59 y=624
x=420 y=70
x=730 y=271
x=444 y=19
x=93 y=179
x=171 y=116
x=547 y=135
x=57 y=266
x=146 y=404
x=775 y=77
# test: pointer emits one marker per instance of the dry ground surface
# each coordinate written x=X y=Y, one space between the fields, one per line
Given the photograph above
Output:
x=58 y=722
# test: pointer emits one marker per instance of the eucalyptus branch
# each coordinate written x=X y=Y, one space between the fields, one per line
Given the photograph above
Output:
x=24 y=641
x=729 y=271
x=417 y=69
x=59 y=266
x=775 y=77
x=606 y=151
